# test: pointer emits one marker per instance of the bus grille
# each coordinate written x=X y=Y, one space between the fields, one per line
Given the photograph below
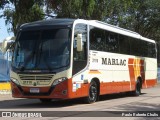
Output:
x=35 y=77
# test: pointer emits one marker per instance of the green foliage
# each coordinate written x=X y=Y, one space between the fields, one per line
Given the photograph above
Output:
x=3 y=3
x=86 y=9
x=143 y=17
x=22 y=11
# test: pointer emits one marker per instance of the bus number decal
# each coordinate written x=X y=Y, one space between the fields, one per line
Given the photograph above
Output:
x=95 y=60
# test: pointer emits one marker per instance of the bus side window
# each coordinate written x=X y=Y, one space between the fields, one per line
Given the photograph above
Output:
x=151 y=50
x=97 y=39
x=124 y=44
x=112 y=42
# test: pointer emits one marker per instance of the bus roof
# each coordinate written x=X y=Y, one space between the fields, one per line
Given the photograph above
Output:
x=149 y=40
x=49 y=23
x=119 y=30
x=95 y=23
x=113 y=28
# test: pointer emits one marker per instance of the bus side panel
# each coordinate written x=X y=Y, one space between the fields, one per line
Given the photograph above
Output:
x=77 y=89
x=117 y=71
x=122 y=78
x=114 y=87
x=149 y=83
x=150 y=72
x=131 y=73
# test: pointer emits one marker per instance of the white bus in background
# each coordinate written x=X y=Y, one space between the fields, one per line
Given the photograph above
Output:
x=73 y=58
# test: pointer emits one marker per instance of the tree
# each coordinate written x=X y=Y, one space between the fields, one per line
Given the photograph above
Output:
x=141 y=16
x=3 y=3
x=18 y=12
x=86 y=9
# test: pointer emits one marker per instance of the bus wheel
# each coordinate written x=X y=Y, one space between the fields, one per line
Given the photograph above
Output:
x=93 y=93
x=45 y=100
x=137 y=91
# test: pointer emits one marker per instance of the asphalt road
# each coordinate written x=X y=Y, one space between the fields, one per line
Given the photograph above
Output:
x=110 y=104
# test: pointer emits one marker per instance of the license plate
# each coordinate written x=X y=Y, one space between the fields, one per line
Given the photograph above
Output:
x=34 y=90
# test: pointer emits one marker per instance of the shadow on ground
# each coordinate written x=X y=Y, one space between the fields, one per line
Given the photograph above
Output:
x=35 y=103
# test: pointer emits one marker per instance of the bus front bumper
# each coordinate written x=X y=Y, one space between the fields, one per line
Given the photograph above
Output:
x=60 y=91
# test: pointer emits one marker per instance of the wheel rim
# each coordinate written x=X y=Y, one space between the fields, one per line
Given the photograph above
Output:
x=93 y=92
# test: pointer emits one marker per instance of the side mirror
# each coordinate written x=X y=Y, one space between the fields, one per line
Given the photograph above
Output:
x=7 y=43
x=79 y=42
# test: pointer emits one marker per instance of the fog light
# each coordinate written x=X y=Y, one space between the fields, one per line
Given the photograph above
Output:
x=64 y=92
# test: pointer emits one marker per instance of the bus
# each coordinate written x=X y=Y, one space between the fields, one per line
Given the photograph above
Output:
x=76 y=58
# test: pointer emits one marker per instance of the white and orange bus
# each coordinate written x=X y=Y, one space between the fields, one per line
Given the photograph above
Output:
x=73 y=58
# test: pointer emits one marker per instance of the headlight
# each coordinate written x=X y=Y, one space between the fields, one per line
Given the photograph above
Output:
x=15 y=81
x=57 y=81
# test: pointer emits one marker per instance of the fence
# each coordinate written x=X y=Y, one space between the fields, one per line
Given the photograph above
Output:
x=5 y=67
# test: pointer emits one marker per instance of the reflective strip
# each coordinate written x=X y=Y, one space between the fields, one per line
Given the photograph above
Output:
x=94 y=72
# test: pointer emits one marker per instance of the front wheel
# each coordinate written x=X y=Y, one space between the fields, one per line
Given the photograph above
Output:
x=93 y=93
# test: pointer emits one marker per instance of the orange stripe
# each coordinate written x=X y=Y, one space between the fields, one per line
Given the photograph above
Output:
x=114 y=87
x=142 y=62
x=94 y=72
x=130 y=61
x=151 y=83
x=136 y=69
x=131 y=73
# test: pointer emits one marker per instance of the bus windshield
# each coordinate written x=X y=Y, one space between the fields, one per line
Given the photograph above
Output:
x=42 y=49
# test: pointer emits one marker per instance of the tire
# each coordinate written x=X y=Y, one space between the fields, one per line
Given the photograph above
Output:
x=43 y=100
x=93 y=93
x=137 y=91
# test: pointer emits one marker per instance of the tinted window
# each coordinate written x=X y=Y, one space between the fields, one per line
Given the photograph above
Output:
x=97 y=39
x=134 y=46
x=143 y=48
x=151 y=50
x=102 y=40
x=124 y=44
x=112 y=42
x=42 y=50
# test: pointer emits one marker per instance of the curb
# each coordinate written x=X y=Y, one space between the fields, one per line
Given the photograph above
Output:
x=5 y=88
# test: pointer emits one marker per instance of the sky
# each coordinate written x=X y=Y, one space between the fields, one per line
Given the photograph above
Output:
x=3 y=29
